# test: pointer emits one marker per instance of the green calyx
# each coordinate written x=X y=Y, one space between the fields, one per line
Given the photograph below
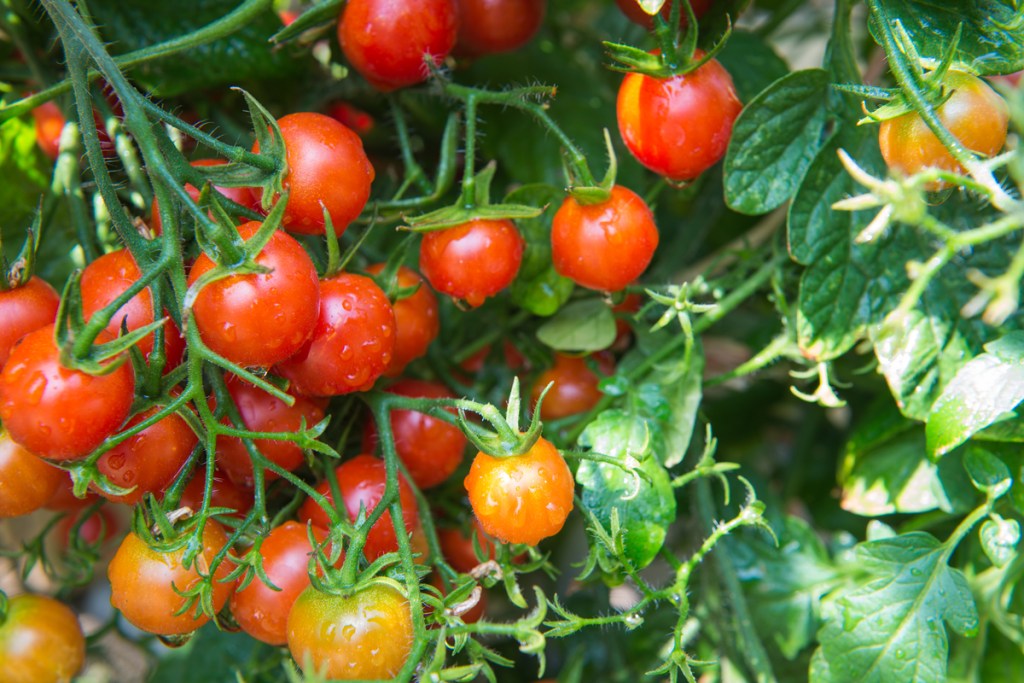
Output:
x=506 y=440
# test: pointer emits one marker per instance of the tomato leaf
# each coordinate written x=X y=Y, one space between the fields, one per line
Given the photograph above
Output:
x=999 y=539
x=888 y=626
x=774 y=140
x=210 y=656
x=580 y=327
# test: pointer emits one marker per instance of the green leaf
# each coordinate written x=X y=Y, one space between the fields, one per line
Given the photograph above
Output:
x=21 y=167
x=999 y=539
x=992 y=42
x=210 y=656
x=990 y=475
x=580 y=327
x=984 y=391
x=774 y=140
x=889 y=625
x=538 y=287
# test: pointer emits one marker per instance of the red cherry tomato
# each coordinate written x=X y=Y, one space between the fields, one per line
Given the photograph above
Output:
x=604 y=246
x=361 y=481
x=491 y=26
x=327 y=169
x=224 y=494
x=367 y=635
x=25 y=309
x=50 y=122
x=150 y=460
x=635 y=13
x=261 y=611
x=107 y=278
x=352 y=117
x=679 y=126
x=524 y=498
x=975 y=114
x=239 y=195
x=472 y=261
x=261 y=412
x=459 y=548
x=40 y=641
x=59 y=413
x=430 y=447
x=386 y=40
x=98 y=527
x=352 y=343
x=416 y=321
x=27 y=482
x=144 y=583
x=575 y=386
x=259 y=318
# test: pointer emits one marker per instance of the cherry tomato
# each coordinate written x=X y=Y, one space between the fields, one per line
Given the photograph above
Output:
x=239 y=195
x=575 y=386
x=524 y=498
x=975 y=114
x=472 y=261
x=367 y=635
x=27 y=482
x=50 y=122
x=224 y=494
x=491 y=26
x=143 y=583
x=361 y=482
x=352 y=343
x=327 y=169
x=679 y=126
x=40 y=641
x=635 y=13
x=459 y=547
x=98 y=527
x=604 y=246
x=259 y=318
x=25 y=309
x=261 y=611
x=430 y=447
x=107 y=278
x=352 y=117
x=261 y=412
x=386 y=40
x=59 y=413
x=416 y=321
x=511 y=357
x=150 y=460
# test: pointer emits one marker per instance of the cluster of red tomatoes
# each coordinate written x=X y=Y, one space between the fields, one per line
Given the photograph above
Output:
x=328 y=336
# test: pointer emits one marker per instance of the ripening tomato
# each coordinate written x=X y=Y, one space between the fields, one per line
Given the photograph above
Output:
x=49 y=120
x=150 y=460
x=25 y=309
x=107 y=278
x=352 y=117
x=144 y=583
x=472 y=261
x=386 y=40
x=40 y=641
x=491 y=26
x=430 y=447
x=679 y=126
x=261 y=412
x=224 y=494
x=574 y=389
x=239 y=195
x=416 y=321
x=352 y=343
x=366 y=635
x=259 y=318
x=261 y=611
x=975 y=114
x=635 y=13
x=604 y=246
x=99 y=526
x=459 y=547
x=361 y=482
x=522 y=498
x=27 y=482
x=59 y=413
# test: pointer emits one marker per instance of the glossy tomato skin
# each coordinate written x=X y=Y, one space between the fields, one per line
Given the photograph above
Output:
x=975 y=114
x=352 y=343
x=327 y=168
x=150 y=460
x=59 y=413
x=524 y=498
x=27 y=482
x=492 y=26
x=49 y=120
x=574 y=389
x=386 y=40
x=604 y=246
x=259 y=318
x=430 y=447
x=472 y=261
x=416 y=320
x=367 y=635
x=239 y=195
x=635 y=13
x=261 y=412
x=142 y=583
x=40 y=641
x=361 y=482
x=25 y=309
x=107 y=278
x=261 y=611
x=679 y=126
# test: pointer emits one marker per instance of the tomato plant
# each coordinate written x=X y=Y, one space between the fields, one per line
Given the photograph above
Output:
x=40 y=640
x=239 y=195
